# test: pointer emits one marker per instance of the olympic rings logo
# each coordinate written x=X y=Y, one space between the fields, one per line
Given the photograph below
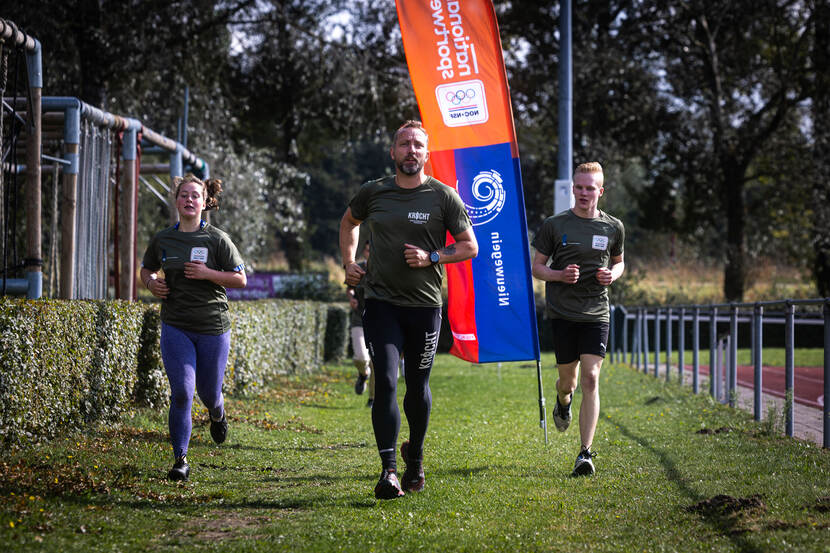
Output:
x=455 y=97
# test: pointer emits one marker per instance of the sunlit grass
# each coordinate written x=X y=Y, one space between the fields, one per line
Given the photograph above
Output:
x=300 y=464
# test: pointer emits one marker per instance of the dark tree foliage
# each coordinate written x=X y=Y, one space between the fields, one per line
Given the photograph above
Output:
x=736 y=74
x=820 y=197
x=319 y=84
x=617 y=112
x=709 y=117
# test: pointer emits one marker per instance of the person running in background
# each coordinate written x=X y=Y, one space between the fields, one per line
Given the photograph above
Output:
x=585 y=249
x=408 y=215
x=362 y=362
x=199 y=261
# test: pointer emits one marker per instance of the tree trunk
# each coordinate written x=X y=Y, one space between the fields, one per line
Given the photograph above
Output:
x=821 y=152
x=734 y=274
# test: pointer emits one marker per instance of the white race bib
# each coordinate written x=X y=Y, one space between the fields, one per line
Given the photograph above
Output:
x=599 y=242
x=199 y=254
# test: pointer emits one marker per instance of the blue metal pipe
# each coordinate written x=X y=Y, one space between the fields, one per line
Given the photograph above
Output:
x=732 y=377
x=789 y=366
x=72 y=108
x=681 y=344
x=826 y=373
x=696 y=351
x=668 y=343
x=656 y=342
x=713 y=345
x=757 y=358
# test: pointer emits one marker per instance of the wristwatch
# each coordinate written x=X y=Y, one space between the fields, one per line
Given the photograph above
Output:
x=434 y=257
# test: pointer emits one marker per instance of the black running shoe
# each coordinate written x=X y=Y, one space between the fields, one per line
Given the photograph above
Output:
x=360 y=384
x=584 y=465
x=561 y=415
x=370 y=402
x=180 y=470
x=219 y=429
x=388 y=486
x=413 y=477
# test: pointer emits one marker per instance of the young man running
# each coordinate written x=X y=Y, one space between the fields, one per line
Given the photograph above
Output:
x=409 y=215
x=585 y=249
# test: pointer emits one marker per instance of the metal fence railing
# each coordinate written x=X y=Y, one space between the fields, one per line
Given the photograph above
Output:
x=638 y=333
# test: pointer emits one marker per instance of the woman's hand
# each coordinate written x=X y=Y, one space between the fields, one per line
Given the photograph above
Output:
x=197 y=270
x=158 y=287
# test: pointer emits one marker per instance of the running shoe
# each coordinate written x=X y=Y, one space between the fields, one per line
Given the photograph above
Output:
x=219 y=429
x=584 y=465
x=360 y=384
x=388 y=486
x=180 y=470
x=370 y=402
x=561 y=415
x=413 y=476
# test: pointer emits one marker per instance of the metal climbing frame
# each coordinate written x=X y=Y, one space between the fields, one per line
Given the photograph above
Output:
x=89 y=184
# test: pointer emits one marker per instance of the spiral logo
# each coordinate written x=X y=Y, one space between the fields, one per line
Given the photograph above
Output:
x=488 y=192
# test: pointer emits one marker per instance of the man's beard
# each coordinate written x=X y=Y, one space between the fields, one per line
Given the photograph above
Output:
x=410 y=167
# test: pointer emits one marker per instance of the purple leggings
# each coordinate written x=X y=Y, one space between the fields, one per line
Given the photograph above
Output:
x=191 y=358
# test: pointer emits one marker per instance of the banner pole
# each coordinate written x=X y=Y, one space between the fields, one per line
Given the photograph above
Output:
x=543 y=418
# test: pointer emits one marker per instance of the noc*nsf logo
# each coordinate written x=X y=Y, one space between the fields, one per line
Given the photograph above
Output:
x=462 y=103
x=488 y=192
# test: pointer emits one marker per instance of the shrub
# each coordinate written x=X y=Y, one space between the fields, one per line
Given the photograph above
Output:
x=151 y=388
x=66 y=364
x=337 y=332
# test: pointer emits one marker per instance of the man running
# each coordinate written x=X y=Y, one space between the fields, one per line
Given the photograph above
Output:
x=409 y=215
x=585 y=248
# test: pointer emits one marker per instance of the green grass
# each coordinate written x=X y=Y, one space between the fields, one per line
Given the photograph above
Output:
x=298 y=471
x=770 y=357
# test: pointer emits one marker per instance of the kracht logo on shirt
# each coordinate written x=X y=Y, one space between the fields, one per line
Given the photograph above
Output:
x=418 y=217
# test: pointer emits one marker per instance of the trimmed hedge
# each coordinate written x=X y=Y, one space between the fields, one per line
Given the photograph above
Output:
x=270 y=337
x=337 y=332
x=66 y=364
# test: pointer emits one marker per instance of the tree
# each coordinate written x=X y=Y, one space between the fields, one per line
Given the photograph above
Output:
x=617 y=113
x=316 y=83
x=736 y=73
x=820 y=199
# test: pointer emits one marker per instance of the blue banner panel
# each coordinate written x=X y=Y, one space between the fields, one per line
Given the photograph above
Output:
x=489 y=183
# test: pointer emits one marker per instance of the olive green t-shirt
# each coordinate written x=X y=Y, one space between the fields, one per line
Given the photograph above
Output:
x=569 y=239
x=199 y=306
x=396 y=216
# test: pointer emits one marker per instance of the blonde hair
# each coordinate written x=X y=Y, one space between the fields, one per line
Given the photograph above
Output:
x=211 y=188
x=591 y=167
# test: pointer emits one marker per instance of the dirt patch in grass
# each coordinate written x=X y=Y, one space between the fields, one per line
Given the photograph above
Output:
x=721 y=430
x=823 y=504
x=733 y=515
x=726 y=505
x=221 y=525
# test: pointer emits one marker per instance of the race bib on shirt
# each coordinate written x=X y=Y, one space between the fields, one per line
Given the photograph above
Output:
x=599 y=242
x=199 y=254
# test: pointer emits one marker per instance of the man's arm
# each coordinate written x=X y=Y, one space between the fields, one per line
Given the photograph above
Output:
x=464 y=248
x=349 y=236
x=606 y=276
x=540 y=270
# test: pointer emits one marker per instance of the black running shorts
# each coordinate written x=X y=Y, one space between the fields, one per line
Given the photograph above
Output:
x=572 y=339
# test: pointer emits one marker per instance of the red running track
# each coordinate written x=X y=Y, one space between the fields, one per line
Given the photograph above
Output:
x=809 y=382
